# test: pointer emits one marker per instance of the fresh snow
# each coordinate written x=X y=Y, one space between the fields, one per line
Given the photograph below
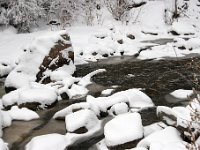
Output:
x=161 y=138
x=50 y=142
x=182 y=94
x=123 y=129
x=22 y=114
x=43 y=95
x=83 y=118
x=107 y=91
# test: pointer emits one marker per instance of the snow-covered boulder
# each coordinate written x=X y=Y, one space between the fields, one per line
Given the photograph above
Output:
x=123 y=129
x=48 y=142
x=22 y=114
x=182 y=94
x=44 y=55
x=117 y=109
x=81 y=121
x=173 y=116
x=31 y=97
x=161 y=139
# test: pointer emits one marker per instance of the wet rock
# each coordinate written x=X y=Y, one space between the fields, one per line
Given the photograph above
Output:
x=60 y=54
x=42 y=57
x=130 y=36
x=120 y=41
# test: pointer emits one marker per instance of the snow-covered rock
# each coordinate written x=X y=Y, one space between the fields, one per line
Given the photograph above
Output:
x=120 y=108
x=134 y=97
x=182 y=94
x=49 y=141
x=174 y=116
x=22 y=114
x=81 y=121
x=44 y=55
x=123 y=129
x=160 y=139
x=41 y=96
x=107 y=92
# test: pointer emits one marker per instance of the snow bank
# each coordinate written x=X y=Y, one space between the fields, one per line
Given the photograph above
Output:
x=123 y=129
x=50 y=142
x=183 y=28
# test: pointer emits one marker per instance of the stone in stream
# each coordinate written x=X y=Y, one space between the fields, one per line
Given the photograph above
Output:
x=47 y=60
x=124 y=131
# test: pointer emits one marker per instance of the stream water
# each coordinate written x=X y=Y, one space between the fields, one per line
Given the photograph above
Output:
x=156 y=78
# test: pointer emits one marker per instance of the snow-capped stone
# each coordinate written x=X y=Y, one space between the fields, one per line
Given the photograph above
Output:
x=81 y=120
x=43 y=56
x=41 y=96
x=22 y=114
x=182 y=94
x=134 y=97
x=49 y=141
x=161 y=138
x=120 y=108
x=123 y=129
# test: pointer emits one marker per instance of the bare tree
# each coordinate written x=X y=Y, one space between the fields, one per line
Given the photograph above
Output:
x=120 y=8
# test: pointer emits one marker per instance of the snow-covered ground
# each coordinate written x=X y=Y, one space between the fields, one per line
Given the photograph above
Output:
x=147 y=37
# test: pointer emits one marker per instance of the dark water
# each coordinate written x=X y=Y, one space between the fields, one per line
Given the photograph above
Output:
x=157 y=78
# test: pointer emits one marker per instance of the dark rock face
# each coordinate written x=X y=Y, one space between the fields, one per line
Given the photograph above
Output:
x=61 y=54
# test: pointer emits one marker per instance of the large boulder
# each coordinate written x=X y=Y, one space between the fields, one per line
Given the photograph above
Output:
x=45 y=55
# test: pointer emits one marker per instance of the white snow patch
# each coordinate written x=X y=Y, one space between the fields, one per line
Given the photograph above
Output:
x=123 y=128
x=22 y=114
x=182 y=94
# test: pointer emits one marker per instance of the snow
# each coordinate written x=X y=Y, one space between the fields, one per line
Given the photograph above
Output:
x=119 y=108
x=182 y=94
x=134 y=97
x=66 y=111
x=153 y=128
x=3 y=146
x=49 y=141
x=107 y=92
x=183 y=28
x=43 y=95
x=22 y=114
x=33 y=56
x=160 y=139
x=123 y=128
x=83 y=118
